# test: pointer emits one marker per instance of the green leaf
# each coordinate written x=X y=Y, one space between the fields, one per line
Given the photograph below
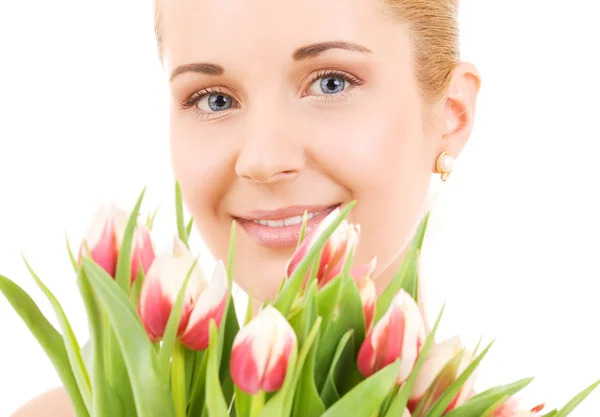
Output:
x=105 y=402
x=366 y=398
x=190 y=366
x=477 y=404
x=150 y=220
x=123 y=271
x=49 y=339
x=188 y=228
x=327 y=298
x=71 y=256
x=115 y=369
x=303 y=228
x=348 y=314
x=552 y=413
x=407 y=275
x=575 y=401
x=230 y=327
x=398 y=404
x=70 y=341
x=170 y=335
x=151 y=393
x=178 y=389
x=181 y=229
x=229 y=322
x=442 y=403
x=215 y=401
x=339 y=369
x=493 y=407
x=136 y=288
x=198 y=391
x=243 y=402
x=307 y=401
x=285 y=298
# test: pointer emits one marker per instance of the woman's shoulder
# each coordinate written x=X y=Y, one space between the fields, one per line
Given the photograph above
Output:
x=56 y=400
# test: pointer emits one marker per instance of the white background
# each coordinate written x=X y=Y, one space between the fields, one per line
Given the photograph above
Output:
x=513 y=245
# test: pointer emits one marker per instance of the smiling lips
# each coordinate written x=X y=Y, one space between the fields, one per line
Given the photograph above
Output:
x=279 y=229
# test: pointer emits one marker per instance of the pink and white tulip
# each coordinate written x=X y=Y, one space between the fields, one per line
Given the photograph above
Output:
x=399 y=334
x=366 y=287
x=261 y=352
x=335 y=251
x=104 y=237
x=437 y=358
x=203 y=300
x=511 y=408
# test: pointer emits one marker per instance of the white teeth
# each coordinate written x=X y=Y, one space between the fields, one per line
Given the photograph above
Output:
x=291 y=221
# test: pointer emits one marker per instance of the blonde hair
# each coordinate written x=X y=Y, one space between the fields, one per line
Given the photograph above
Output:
x=434 y=29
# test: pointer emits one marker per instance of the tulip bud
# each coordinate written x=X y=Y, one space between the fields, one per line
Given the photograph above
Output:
x=437 y=358
x=104 y=237
x=366 y=287
x=399 y=334
x=261 y=352
x=202 y=300
x=335 y=251
x=511 y=409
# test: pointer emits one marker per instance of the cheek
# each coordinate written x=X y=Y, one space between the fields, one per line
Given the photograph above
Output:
x=202 y=166
x=381 y=155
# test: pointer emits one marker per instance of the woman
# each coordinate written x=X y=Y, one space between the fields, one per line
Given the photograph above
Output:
x=284 y=107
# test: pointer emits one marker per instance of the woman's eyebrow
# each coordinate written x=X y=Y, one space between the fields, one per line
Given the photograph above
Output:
x=197 y=67
x=311 y=51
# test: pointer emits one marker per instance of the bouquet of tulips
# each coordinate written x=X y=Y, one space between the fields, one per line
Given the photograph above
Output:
x=165 y=341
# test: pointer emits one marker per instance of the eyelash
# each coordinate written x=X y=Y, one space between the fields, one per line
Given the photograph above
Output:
x=191 y=101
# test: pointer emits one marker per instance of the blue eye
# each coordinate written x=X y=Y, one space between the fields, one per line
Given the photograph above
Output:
x=329 y=85
x=215 y=102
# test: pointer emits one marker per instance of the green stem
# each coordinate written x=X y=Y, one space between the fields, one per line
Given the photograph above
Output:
x=258 y=401
x=178 y=380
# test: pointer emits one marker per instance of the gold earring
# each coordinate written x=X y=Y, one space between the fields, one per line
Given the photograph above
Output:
x=444 y=165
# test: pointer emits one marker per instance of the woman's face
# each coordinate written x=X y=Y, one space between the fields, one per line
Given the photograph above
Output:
x=285 y=106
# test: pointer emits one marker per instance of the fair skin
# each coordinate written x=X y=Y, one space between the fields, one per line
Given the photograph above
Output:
x=326 y=112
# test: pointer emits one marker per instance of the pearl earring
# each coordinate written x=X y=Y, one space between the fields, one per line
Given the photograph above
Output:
x=444 y=165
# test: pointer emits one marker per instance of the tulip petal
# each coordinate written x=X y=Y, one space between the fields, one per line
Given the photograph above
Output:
x=210 y=305
x=154 y=309
x=99 y=241
x=143 y=252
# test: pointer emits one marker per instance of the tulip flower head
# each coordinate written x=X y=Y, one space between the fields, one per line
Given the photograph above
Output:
x=203 y=300
x=511 y=408
x=437 y=358
x=261 y=352
x=104 y=237
x=399 y=334
x=368 y=292
x=333 y=255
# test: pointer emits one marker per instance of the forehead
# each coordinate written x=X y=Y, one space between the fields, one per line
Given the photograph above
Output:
x=236 y=30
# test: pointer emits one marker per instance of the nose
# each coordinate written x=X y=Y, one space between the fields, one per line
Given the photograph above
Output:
x=270 y=152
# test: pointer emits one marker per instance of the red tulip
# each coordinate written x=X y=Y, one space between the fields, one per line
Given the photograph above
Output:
x=261 y=352
x=335 y=251
x=103 y=240
x=203 y=300
x=437 y=358
x=399 y=334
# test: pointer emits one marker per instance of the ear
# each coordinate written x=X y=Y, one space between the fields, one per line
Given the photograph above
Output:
x=459 y=109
